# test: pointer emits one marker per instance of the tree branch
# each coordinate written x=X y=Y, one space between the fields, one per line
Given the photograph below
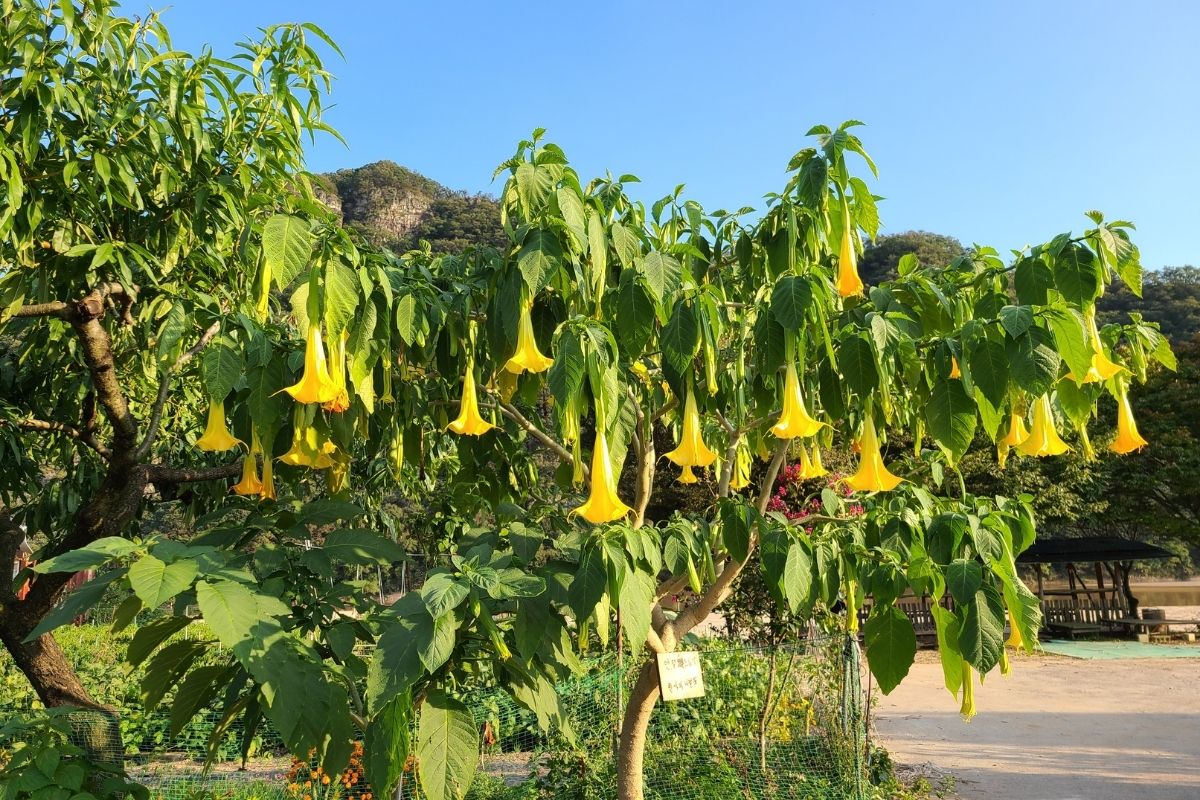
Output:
x=510 y=411
x=54 y=309
x=84 y=437
x=161 y=473
x=164 y=389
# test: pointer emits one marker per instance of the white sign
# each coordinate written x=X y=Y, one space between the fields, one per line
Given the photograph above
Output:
x=679 y=675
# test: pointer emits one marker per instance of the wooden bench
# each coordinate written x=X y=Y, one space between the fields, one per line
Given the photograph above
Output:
x=1071 y=628
x=1142 y=627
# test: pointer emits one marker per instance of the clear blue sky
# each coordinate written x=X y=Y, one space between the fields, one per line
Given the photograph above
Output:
x=996 y=122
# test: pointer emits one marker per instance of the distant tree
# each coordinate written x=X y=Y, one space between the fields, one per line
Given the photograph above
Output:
x=456 y=221
x=881 y=256
x=1170 y=297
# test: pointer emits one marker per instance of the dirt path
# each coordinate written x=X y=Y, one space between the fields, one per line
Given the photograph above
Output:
x=1056 y=729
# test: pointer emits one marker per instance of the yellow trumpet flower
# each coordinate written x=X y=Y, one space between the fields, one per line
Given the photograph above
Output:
x=603 y=504
x=527 y=356
x=1014 y=637
x=1128 y=439
x=1016 y=434
x=1043 y=439
x=692 y=451
x=216 y=437
x=340 y=401
x=469 y=421
x=741 y=467
x=872 y=475
x=1102 y=368
x=818 y=469
x=848 y=281
x=1005 y=664
x=810 y=468
x=794 y=420
x=968 y=698
x=315 y=385
x=250 y=484
x=268 y=478
x=687 y=476
x=955 y=372
x=309 y=449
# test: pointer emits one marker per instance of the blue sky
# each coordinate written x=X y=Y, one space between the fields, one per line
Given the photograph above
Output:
x=996 y=122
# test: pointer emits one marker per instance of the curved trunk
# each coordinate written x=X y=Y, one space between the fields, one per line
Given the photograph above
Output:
x=631 y=752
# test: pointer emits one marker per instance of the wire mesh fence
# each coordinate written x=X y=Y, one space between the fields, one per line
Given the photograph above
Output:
x=783 y=722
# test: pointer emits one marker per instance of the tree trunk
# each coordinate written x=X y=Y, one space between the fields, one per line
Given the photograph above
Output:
x=632 y=751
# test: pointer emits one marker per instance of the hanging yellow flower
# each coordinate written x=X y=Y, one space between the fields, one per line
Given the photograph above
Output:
x=1016 y=434
x=603 y=504
x=250 y=484
x=818 y=469
x=1128 y=439
x=872 y=475
x=470 y=422
x=1014 y=637
x=955 y=372
x=1101 y=368
x=740 y=478
x=794 y=420
x=309 y=449
x=968 y=693
x=808 y=468
x=527 y=356
x=315 y=385
x=687 y=476
x=692 y=451
x=217 y=437
x=340 y=401
x=848 y=281
x=1043 y=439
x=338 y=472
x=268 y=478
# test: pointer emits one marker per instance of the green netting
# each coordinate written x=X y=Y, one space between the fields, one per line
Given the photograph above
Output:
x=774 y=723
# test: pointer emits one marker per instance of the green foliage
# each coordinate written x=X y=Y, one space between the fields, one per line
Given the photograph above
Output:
x=881 y=258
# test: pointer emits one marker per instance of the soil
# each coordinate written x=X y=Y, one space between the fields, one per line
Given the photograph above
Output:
x=1056 y=729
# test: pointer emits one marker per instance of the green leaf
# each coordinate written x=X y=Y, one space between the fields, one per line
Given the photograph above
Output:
x=222 y=366
x=791 y=301
x=627 y=245
x=387 y=745
x=286 y=245
x=447 y=747
x=636 y=599
x=681 y=337
x=856 y=362
x=1077 y=275
x=891 y=646
x=1070 y=338
x=662 y=274
x=358 y=546
x=635 y=314
x=196 y=692
x=736 y=524
x=437 y=650
x=95 y=554
x=573 y=215
x=396 y=663
x=1033 y=280
x=409 y=319
x=989 y=369
x=156 y=582
x=798 y=581
x=1016 y=319
x=1032 y=360
x=151 y=635
x=341 y=297
x=588 y=584
x=324 y=512
x=964 y=577
x=540 y=256
x=443 y=592
x=230 y=609
x=982 y=636
x=950 y=416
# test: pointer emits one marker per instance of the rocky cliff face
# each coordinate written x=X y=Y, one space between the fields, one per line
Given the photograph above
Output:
x=394 y=207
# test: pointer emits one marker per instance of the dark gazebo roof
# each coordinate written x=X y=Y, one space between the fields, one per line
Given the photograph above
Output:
x=1088 y=549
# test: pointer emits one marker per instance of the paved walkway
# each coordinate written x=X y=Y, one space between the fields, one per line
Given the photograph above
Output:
x=1056 y=729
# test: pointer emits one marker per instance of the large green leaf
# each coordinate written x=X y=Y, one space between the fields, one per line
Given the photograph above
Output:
x=1033 y=361
x=1070 y=338
x=635 y=314
x=156 y=582
x=1077 y=275
x=151 y=635
x=681 y=337
x=196 y=692
x=964 y=577
x=341 y=297
x=540 y=256
x=396 y=663
x=662 y=274
x=287 y=245
x=891 y=646
x=950 y=415
x=791 y=300
x=798 y=583
x=1033 y=280
x=989 y=369
x=982 y=636
x=447 y=747
x=442 y=592
x=588 y=584
x=95 y=554
x=856 y=362
x=222 y=366
x=626 y=243
x=359 y=546
x=77 y=602
x=387 y=745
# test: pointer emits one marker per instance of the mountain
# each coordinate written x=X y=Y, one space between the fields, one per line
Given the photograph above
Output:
x=395 y=207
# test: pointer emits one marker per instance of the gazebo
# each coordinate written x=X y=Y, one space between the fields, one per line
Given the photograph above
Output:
x=1081 y=608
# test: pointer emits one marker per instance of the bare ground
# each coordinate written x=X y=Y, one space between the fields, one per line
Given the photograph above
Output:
x=1056 y=729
